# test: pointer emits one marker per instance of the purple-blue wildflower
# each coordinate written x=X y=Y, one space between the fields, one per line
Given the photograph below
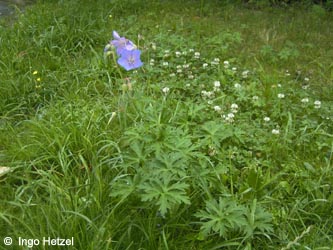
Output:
x=130 y=59
x=121 y=43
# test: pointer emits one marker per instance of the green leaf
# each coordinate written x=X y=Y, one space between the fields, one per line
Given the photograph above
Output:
x=258 y=220
x=214 y=132
x=164 y=193
x=221 y=217
x=123 y=187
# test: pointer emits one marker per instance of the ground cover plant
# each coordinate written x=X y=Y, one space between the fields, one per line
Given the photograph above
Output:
x=167 y=125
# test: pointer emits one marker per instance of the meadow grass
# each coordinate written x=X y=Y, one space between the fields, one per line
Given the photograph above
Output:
x=222 y=140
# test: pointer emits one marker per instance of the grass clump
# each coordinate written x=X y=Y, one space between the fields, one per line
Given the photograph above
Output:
x=223 y=139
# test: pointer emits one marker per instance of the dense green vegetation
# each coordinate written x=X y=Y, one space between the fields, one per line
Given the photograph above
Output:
x=222 y=140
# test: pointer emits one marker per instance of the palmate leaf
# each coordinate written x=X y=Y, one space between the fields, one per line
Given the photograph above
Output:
x=258 y=220
x=221 y=217
x=214 y=132
x=173 y=163
x=124 y=186
x=164 y=193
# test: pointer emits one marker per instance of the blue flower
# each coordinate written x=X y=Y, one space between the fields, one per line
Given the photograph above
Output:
x=121 y=43
x=126 y=50
x=130 y=59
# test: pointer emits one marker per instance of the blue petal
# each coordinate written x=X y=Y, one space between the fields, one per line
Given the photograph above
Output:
x=115 y=35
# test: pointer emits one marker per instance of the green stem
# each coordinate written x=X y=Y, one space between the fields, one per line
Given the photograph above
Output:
x=116 y=63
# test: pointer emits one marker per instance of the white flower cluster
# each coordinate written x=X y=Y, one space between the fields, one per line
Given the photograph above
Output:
x=217 y=86
x=166 y=53
x=245 y=73
x=190 y=76
x=281 y=96
x=305 y=100
x=216 y=61
x=234 y=108
x=217 y=109
x=207 y=94
x=165 y=90
x=237 y=86
x=230 y=117
x=317 y=104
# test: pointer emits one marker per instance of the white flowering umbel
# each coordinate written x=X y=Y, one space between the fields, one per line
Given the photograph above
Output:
x=237 y=86
x=166 y=53
x=245 y=73
x=165 y=90
x=207 y=94
x=229 y=117
x=234 y=108
x=217 y=86
x=216 y=60
x=281 y=96
x=317 y=104
x=267 y=119
x=226 y=64
x=218 y=109
x=305 y=100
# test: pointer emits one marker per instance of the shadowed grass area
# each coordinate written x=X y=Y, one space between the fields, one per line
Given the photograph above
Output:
x=222 y=140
